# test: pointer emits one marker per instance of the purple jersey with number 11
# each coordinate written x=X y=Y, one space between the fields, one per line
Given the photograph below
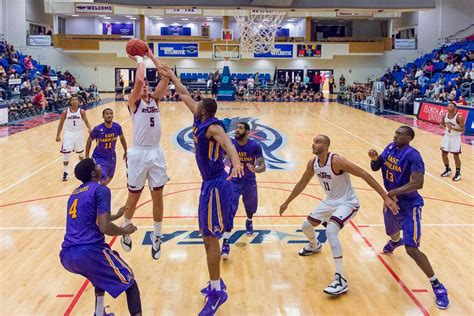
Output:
x=106 y=139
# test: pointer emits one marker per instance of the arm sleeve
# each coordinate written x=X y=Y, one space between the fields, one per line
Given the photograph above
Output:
x=102 y=199
x=416 y=163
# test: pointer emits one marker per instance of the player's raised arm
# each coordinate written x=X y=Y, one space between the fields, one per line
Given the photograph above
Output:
x=60 y=126
x=139 y=83
x=342 y=164
x=375 y=160
x=300 y=186
x=160 y=89
x=218 y=133
x=184 y=94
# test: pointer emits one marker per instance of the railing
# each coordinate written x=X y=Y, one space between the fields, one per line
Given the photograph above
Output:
x=458 y=35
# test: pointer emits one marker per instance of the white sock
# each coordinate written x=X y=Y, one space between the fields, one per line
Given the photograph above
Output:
x=126 y=221
x=216 y=285
x=99 y=305
x=249 y=219
x=339 y=266
x=66 y=169
x=433 y=278
x=157 y=228
x=226 y=235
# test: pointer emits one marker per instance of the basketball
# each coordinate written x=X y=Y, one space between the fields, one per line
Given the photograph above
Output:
x=136 y=47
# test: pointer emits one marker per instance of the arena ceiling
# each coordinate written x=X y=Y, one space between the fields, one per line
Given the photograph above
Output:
x=289 y=4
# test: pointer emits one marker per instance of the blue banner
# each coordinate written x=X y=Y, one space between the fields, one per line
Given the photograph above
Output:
x=125 y=29
x=226 y=90
x=281 y=51
x=178 y=49
x=469 y=123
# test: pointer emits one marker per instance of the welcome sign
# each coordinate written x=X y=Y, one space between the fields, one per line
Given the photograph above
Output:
x=94 y=8
x=280 y=51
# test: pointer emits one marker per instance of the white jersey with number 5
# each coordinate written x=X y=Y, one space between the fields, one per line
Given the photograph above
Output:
x=73 y=122
x=338 y=186
x=146 y=130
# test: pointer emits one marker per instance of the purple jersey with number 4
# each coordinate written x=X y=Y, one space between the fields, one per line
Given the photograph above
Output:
x=106 y=139
x=248 y=154
x=86 y=202
x=397 y=166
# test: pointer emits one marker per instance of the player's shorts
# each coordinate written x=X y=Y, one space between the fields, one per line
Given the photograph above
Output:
x=409 y=221
x=100 y=265
x=214 y=206
x=107 y=165
x=451 y=144
x=335 y=211
x=72 y=141
x=146 y=164
x=248 y=190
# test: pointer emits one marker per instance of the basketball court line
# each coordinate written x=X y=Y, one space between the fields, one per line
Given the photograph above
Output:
x=11 y=186
x=195 y=226
x=379 y=147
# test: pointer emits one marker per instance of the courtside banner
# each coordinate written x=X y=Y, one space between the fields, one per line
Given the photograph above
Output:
x=178 y=49
x=434 y=112
x=281 y=51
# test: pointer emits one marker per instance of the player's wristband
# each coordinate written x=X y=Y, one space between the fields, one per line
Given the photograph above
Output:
x=139 y=59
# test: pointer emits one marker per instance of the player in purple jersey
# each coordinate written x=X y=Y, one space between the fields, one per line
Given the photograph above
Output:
x=251 y=158
x=211 y=144
x=106 y=135
x=84 y=250
x=403 y=174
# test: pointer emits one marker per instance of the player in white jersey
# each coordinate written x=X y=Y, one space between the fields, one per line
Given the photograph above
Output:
x=339 y=206
x=146 y=159
x=71 y=119
x=453 y=123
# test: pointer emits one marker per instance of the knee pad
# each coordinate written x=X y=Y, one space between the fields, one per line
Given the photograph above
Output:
x=332 y=230
x=308 y=229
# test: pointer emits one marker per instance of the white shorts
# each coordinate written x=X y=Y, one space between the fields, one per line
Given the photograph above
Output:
x=451 y=144
x=335 y=211
x=143 y=164
x=72 y=141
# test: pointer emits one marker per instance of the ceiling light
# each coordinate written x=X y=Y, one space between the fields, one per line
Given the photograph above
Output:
x=184 y=19
x=159 y=18
x=291 y=20
x=74 y=14
x=101 y=16
x=129 y=16
x=132 y=18
x=107 y=18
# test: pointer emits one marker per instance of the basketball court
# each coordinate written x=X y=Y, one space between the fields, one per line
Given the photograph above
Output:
x=264 y=275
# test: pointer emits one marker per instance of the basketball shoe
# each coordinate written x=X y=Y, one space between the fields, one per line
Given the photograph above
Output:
x=309 y=250
x=392 y=245
x=214 y=299
x=248 y=227
x=225 y=252
x=155 y=246
x=446 y=172
x=338 y=286
x=126 y=242
x=65 y=176
x=457 y=176
x=441 y=293
x=105 y=313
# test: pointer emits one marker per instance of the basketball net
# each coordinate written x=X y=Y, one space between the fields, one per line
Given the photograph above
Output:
x=258 y=29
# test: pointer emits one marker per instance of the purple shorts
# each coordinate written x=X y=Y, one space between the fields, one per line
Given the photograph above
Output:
x=214 y=206
x=107 y=165
x=248 y=190
x=408 y=220
x=100 y=265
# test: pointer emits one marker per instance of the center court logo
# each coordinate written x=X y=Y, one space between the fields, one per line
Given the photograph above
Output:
x=269 y=138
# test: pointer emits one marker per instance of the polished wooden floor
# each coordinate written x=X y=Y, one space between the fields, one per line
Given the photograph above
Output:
x=265 y=276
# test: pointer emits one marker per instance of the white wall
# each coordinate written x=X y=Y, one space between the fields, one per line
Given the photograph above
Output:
x=2 y=15
x=447 y=18
x=297 y=28
x=215 y=28
x=78 y=25
x=15 y=22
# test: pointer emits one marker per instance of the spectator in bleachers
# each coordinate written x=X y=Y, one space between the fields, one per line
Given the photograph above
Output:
x=257 y=80
x=458 y=67
x=94 y=93
x=27 y=61
x=461 y=101
x=25 y=88
x=396 y=67
x=419 y=73
x=449 y=67
x=317 y=80
x=64 y=92
x=40 y=100
x=331 y=84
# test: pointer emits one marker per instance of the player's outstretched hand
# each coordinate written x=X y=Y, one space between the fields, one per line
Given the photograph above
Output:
x=283 y=208
x=165 y=71
x=58 y=138
x=129 y=229
x=373 y=154
x=237 y=172
x=391 y=204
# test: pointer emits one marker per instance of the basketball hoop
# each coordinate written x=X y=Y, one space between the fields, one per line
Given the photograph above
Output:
x=258 y=29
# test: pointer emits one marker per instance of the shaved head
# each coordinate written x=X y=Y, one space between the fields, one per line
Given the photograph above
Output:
x=325 y=139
